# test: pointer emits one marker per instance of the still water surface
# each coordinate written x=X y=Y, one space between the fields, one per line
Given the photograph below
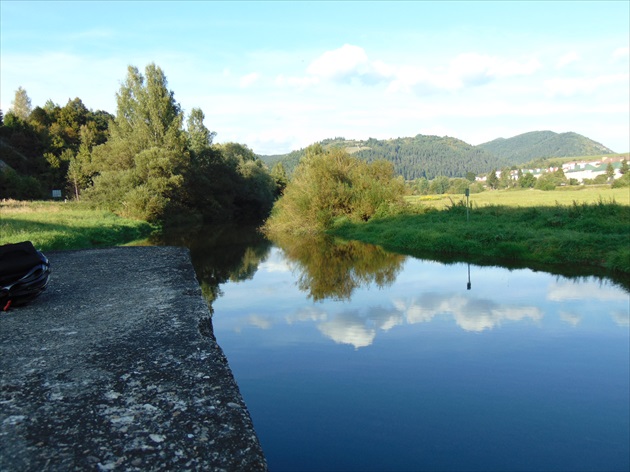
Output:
x=351 y=358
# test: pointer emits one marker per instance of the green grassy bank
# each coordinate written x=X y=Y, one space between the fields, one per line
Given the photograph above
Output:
x=53 y=225
x=529 y=197
x=581 y=236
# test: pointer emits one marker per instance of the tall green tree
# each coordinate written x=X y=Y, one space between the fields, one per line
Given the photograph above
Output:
x=80 y=169
x=493 y=180
x=199 y=137
x=279 y=174
x=422 y=186
x=439 y=185
x=142 y=165
x=21 y=104
x=505 y=181
x=610 y=172
x=526 y=180
x=253 y=185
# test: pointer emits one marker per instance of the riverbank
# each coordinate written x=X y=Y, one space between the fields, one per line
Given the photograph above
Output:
x=58 y=225
x=115 y=366
x=573 y=230
x=579 y=236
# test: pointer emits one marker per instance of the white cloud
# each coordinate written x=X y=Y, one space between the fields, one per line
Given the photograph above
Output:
x=561 y=292
x=347 y=64
x=307 y=314
x=296 y=82
x=464 y=70
x=570 y=318
x=260 y=322
x=622 y=318
x=417 y=79
x=621 y=53
x=470 y=314
x=249 y=79
x=567 y=59
x=346 y=60
x=473 y=69
x=348 y=328
x=568 y=87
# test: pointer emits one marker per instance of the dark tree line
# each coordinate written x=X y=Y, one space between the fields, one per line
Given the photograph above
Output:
x=37 y=145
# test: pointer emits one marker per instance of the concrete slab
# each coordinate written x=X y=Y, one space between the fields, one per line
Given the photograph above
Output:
x=115 y=367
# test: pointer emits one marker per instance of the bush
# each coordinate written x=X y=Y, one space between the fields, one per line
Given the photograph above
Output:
x=20 y=187
x=328 y=185
x=623 y=181
x=546 y=182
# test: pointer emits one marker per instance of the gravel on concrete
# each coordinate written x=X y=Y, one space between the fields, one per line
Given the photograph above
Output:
x=115 y=367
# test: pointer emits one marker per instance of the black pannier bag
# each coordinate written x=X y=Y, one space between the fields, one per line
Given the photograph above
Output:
x=24 y=274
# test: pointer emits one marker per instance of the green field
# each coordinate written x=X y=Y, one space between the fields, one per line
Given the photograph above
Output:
x=529 y=197
x=581 y=231
x=52 y=225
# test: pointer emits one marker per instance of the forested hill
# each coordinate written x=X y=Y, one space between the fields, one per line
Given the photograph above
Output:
x=541 y=144
x=430 y=156
x=420 y=156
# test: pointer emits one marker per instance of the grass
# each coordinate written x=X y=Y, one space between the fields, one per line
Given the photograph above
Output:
x=576 y=230
x=529 y=197
x=54 y=225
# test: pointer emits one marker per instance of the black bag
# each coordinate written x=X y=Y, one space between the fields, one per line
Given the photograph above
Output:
x=24 y=274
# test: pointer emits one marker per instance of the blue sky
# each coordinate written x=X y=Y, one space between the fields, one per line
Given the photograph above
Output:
x=279 y=76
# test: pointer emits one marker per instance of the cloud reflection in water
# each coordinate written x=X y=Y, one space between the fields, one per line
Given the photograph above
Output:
x=359 y=330
x=371 y=299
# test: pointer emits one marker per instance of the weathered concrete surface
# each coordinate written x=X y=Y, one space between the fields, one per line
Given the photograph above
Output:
x=115 y=367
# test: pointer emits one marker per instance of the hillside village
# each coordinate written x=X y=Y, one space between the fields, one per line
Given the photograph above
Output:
x=575 y=171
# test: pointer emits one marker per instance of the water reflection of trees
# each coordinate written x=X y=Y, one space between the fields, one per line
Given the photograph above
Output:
x=333 y=269
x=220 y=253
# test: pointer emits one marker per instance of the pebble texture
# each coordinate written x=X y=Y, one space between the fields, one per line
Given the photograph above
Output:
x=115 y=367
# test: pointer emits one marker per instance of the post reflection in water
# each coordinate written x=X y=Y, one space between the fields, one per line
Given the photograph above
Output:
x=468 y=285
x=352 y=358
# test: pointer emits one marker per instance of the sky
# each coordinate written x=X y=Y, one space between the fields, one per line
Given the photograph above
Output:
x=279 y=76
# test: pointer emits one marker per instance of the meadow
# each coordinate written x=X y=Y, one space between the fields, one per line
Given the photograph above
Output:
x=58 y=225
x=529 y=197
x=564 y=230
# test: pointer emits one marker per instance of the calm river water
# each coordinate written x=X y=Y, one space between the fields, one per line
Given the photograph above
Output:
x=351 y=358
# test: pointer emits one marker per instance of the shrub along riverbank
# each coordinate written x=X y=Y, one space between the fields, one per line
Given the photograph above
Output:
x=577 y=236
x=52 y=225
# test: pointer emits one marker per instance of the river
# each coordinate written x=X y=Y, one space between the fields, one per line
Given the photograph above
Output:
x=353 y=358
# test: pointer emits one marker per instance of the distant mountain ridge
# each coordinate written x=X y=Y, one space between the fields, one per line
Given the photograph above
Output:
x=430 y=156
x=542 y=144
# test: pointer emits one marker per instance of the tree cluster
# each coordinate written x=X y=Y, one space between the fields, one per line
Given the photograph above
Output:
x=37 y=146
x=332 y=184
x=144 y=162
